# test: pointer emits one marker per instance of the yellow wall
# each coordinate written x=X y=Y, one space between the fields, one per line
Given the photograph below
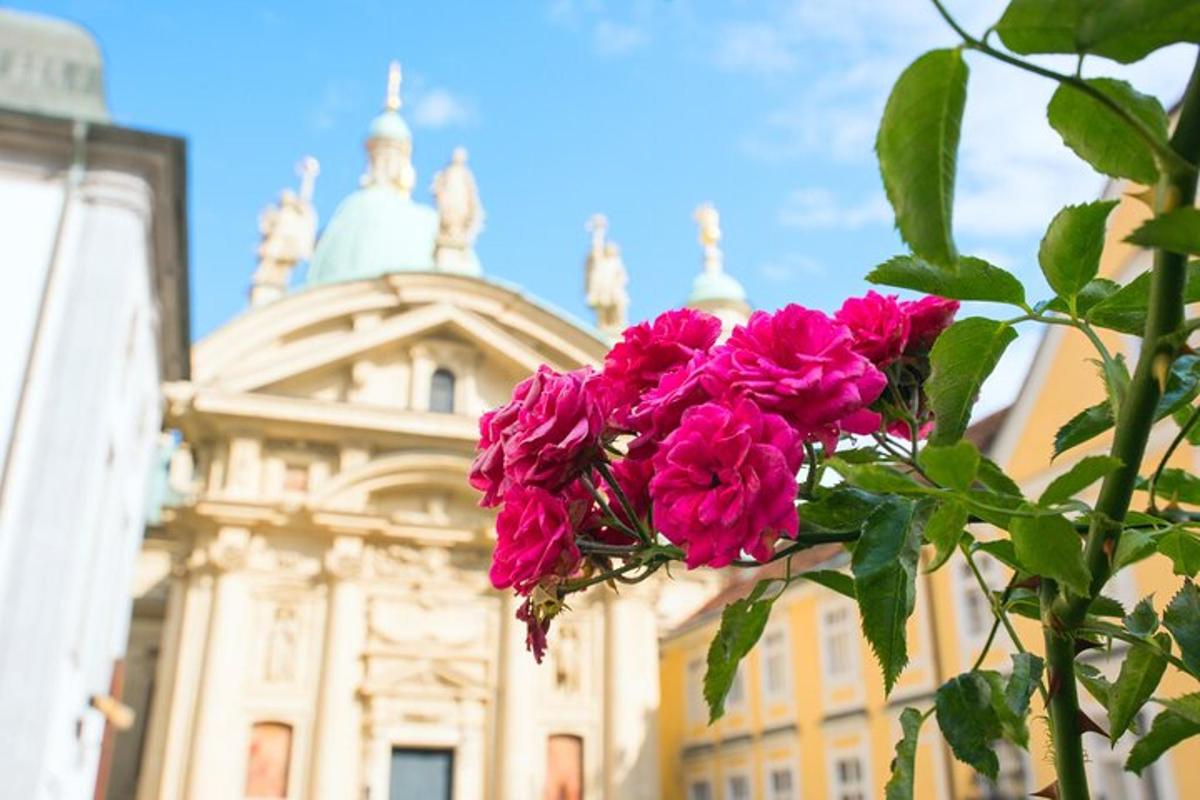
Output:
x=820 y=719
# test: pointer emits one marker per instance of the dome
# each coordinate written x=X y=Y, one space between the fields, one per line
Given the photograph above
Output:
x=54 y=68
x=389 y=125
x=716 y=285
x=375 y=231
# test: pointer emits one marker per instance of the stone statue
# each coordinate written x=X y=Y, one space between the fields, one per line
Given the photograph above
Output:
x=460 y=214
x=280 y=666
x=605 y=279
x=289 y=232
x=709 y=220
x=568 y=660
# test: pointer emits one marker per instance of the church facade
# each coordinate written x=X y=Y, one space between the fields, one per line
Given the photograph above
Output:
x=313 y=617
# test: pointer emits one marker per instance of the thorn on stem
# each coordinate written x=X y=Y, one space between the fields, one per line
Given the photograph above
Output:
x=1088 y=725
x=1050 y=791
x=1083 y=645
x=1033 y=582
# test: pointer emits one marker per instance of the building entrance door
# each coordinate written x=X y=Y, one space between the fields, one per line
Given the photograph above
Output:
x=421 y=774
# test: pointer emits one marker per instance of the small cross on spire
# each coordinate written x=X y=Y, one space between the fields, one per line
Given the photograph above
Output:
x=393 y=102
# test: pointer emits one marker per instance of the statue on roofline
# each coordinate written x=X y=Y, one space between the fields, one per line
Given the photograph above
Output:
x=605 y=279
x=460 y=213
x=288 y=233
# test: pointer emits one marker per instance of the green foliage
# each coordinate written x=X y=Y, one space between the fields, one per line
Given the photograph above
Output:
x=1140 y=673
x=991 y=476
x=1175 y=486
x=1123 y=30
x=964 y=355
x=877 y=478
x=1182 y=618
x=742 y=623
x=1094 y=682
x=1143 y=620
x=967 y=279
x=1083 y=474
x=943 y=530
x=1070 y=250
x=841 y=508
x=918 y=149
x=1177 y=232
x=969 y=721
x=1169 y=729
x=1022 y=683
x=1100 y=137
x=900 y=784
x=953 y=466
x=1182 y=383
x=1182 y=546
x=1125 y=309
x=884 y=566
x=1047 y=545
x=839 y=582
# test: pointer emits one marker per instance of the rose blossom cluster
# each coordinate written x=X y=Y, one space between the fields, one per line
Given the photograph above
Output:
x=697 y=441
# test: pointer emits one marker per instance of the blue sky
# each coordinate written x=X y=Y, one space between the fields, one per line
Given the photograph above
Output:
x=639 y=109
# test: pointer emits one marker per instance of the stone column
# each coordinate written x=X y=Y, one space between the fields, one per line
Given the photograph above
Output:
x=631 y=711
x=338 y=729
x=216 y=765
x=517 y=699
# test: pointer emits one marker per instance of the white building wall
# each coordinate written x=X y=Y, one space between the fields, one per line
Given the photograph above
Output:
x=72 y=498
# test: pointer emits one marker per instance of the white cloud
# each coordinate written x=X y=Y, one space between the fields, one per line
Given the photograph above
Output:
x=611 y=38
x=790 y=267
x=441 y=108
x=753 y=47
x=336 y=98
x=816 y=207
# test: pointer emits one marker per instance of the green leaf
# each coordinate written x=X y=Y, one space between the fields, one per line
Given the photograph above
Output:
x=1182 y=618
x=991 y=476
x=842 y=508
x=1070 y=250
x=918 y=149
x=1096 y=291
x=1012 y=726
x=839 y=582
x=1048 y=545
x=943 y=530
x=969 y=721
x=878 y=478
x=967 y=279
x=1136 y=544
x=1001 y=550
x=1125 y=309
x=1187 y=706
x=1181 y=416
x=742 y=624
x=1123 y=30
x=1143 y=620
x=1183 y=548
x=1182 y=383
x=1169 y=729
x=904 y=768
x=1083 y=474
x=1094 y=681
x=1022 y=683
x=1141 y=671
x=1176 y=231
x=884 y=566
x=1175 y=486
x=963 y=356
x=953 y=466
x=1100 y=137
x=1105 y=606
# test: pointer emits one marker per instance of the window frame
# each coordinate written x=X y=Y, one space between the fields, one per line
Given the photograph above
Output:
x=441 y=371
x=782 y=693
x=845 y=627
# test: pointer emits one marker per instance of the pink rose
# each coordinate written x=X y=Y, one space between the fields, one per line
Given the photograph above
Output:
x=879 y=325
x=660 y=410
x=535 y=536
x=535 y=630
x=800 y=364
x=928 y=317
x=649 y=350
x=545 y=436
x=725 y=482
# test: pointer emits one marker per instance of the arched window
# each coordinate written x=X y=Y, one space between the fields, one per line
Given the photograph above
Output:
x=441 y=391
x=270 y=756
x=564 y=767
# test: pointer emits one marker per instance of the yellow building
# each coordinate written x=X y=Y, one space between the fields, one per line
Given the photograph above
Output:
x=807 y=717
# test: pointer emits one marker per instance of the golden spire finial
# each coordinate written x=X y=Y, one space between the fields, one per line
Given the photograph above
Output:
x=393 y=87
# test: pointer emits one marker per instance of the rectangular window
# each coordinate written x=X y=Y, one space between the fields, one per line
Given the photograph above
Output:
x=695 y=691
x=700 y=790
x=849 y=780
x=295 y=477
x=840 y=642
x=780 y=784
x=421 y=774
x=775 y=665
x=737 y=788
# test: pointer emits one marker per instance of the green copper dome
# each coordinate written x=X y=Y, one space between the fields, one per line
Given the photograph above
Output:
x=716 y=285
x=375 y=231
x=389 y=125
